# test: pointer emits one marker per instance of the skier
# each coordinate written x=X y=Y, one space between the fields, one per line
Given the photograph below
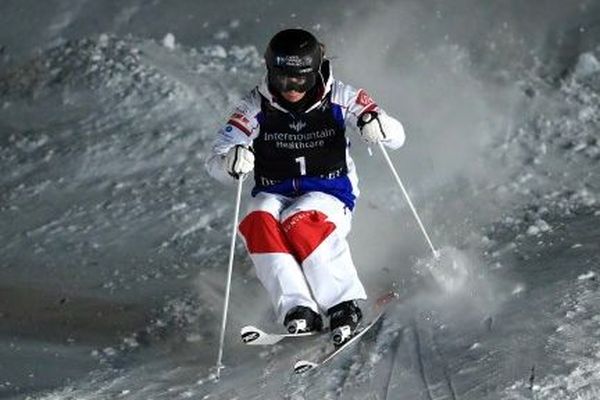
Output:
x=291 y=130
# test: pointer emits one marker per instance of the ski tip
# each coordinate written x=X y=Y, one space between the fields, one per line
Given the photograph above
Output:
x=249 y=328
x=250 y=334
x=303 y=366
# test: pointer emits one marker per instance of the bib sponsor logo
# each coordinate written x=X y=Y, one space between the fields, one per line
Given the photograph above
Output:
x=298 y=125
x=300 y=141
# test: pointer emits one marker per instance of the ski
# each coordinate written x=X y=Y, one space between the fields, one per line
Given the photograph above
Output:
x=381 y=305
x=303 y=366
x=254 y=336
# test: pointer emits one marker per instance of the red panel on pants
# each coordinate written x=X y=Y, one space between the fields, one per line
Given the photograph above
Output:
x=263 y=233
x=305 y=231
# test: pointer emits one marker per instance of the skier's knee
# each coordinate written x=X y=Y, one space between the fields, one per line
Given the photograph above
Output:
x=263 y=234
x=306 y=230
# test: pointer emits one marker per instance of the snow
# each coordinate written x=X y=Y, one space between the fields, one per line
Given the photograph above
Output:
x=540 y=226
x=587 y=65
x=169 y=41
x=586 y=276
x=113 y=238
x=519 y=288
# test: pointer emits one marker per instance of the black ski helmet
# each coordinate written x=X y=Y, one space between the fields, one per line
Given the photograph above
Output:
x=293 y=53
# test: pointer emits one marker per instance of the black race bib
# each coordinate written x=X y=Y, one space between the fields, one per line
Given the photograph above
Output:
x=292 y=145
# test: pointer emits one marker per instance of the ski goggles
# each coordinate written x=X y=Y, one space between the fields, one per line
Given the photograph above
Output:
x=287 y=83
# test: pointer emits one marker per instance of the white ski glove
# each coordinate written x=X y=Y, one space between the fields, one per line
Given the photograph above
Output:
x=239 y=161
x=371 y=128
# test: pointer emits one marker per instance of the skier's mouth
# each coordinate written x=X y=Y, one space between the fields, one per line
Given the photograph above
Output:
x=293 y=95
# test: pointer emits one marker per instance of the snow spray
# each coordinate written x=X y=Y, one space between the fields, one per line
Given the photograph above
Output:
x=447 y=266
x=449 y=270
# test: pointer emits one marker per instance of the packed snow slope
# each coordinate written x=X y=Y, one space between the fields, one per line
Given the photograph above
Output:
x=113 y=239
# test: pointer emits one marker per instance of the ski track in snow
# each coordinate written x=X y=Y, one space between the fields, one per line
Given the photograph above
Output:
x=105 y=199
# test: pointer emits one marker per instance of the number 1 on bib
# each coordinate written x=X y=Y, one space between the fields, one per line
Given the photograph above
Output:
x=302 y=162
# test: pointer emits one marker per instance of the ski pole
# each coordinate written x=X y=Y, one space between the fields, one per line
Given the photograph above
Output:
x=405 y=193
x=238 y=200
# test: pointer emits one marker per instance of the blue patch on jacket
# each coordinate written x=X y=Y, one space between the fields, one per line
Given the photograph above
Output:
x=340 y=188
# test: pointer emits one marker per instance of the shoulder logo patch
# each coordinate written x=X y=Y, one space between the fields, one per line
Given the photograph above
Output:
x=240 y=118
x=363 y=99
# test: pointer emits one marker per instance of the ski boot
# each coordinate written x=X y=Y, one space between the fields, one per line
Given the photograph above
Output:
x=343 y=320
x=301 y=319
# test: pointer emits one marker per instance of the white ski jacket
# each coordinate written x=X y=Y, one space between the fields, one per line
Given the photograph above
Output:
x=347 y=104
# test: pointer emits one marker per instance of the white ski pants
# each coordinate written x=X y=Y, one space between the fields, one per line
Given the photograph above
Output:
x=299 y=248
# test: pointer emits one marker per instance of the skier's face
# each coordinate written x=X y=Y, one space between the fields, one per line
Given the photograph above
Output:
x=291 y=87
x=292 y=96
